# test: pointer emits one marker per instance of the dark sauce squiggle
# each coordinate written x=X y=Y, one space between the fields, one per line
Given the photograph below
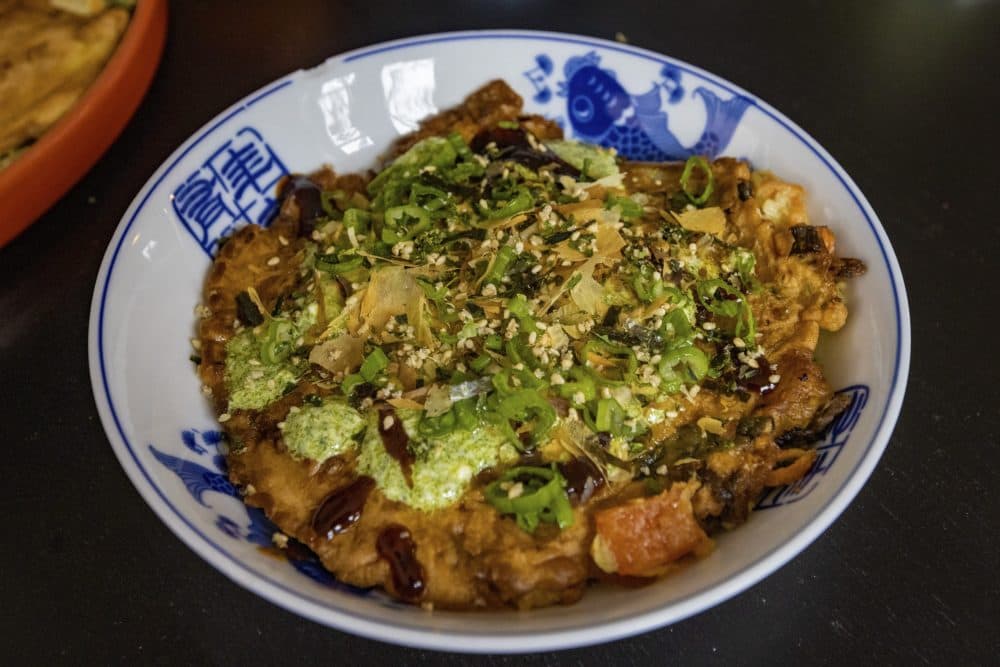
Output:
x=395 y=440
x=341 y=509
x=308 y=197
x=760 y=381
x=395 y=544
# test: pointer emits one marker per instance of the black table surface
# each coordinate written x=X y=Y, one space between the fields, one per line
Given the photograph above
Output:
x=903 y=94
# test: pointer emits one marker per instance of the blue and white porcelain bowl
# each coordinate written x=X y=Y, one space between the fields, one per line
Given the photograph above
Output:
x=345 y=112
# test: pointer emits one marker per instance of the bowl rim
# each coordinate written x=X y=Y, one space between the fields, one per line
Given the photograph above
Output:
x=70 y=147
x=446 y=640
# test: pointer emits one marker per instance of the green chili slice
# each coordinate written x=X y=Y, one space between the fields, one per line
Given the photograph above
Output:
x=404 y=222
x=685 y=364
x=697 y=161
x=647 y=282
x=542 y=497
x=622 y=357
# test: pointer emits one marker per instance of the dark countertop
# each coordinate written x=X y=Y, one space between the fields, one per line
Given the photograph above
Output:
x=903 y=94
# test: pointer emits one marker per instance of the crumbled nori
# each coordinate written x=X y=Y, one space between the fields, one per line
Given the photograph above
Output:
x=246 y=310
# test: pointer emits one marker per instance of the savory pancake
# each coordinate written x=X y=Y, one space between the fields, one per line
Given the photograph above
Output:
x=508 y=365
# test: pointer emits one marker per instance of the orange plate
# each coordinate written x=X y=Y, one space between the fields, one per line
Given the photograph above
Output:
x=63 y=155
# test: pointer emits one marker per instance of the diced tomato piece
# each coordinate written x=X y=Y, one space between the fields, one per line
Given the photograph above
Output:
x=642 y=536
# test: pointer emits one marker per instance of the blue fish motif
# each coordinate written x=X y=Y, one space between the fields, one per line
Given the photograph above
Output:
x=196 y=478
x=601 y=111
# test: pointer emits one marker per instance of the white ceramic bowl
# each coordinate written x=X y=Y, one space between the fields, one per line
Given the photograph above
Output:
x=345 y=112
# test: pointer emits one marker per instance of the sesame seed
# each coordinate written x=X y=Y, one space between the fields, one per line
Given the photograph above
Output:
x=774 y=379
x=282 y=240
x=708 y=326
x=388 y=422
x=738 y=342
x=224 y=417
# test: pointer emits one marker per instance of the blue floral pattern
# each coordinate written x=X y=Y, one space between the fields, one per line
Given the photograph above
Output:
x=827 y=452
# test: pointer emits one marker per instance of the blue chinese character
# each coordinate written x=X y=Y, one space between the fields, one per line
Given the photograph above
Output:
x=234 y=186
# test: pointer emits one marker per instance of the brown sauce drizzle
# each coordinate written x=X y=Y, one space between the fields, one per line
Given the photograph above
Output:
x=759 y=381
x=341 y=509
x=395 y=440
x=395 y=545
x=583 y=479
x=308 y=198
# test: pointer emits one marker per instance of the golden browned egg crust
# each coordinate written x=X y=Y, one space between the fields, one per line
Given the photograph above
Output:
x=717 y=446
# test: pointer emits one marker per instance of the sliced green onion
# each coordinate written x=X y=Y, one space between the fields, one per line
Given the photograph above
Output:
x=628 y=206
x=745 y=262
x=733 y=304
x=583 y=384
x=374 y=363
x=493 y=342
x=504 y=258
x=461 y=416
x=519 y=352
x=276 y=346
x=480 y=362
x=461 y=148
x=350 y=383
x=727 y=305
x=428 y=197
x=519 y=308
x=329 y=264
x=609 y=417
x=504 y=384
x=522 y=200
x=689 y=167
x=357 y=219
